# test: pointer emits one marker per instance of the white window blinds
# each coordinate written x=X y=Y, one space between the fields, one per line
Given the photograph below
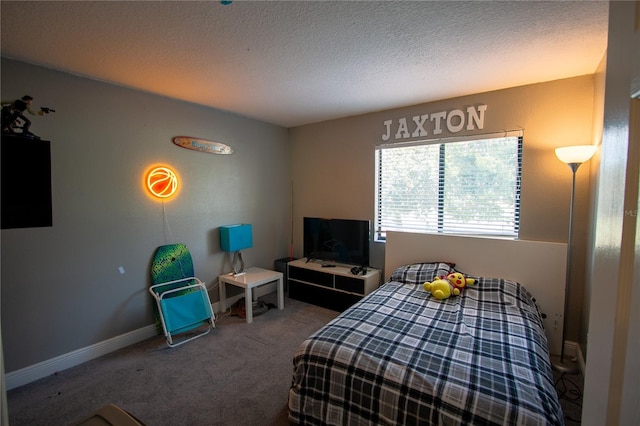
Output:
x=457 y=187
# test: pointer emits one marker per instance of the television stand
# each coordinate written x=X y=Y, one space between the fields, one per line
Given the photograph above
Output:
x=332 y=287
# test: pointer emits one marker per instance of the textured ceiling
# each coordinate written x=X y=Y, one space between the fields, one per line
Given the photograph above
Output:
x=298 y=62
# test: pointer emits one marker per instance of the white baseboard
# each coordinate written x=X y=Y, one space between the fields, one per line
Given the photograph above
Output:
x=573 y=349
x=581 y=362
x=570 y=348
x=46 y=368
x=77 y=357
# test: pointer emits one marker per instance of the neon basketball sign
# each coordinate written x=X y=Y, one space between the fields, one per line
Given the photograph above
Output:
x=161 y=182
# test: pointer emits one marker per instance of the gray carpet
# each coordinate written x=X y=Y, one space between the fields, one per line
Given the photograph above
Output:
x=239 y=374
x=570 y=388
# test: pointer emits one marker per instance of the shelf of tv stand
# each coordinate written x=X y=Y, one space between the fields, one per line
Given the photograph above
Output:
x=334 y=287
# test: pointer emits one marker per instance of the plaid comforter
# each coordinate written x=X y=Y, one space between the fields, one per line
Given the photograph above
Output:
x=401 y=357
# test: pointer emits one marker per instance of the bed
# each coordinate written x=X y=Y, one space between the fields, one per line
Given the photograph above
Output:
x=402 y=357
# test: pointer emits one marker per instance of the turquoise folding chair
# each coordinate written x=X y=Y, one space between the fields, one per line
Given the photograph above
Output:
x=182 y=308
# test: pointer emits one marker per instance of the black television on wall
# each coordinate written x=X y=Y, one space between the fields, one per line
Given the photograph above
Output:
x=338 y=240
x=25 y=183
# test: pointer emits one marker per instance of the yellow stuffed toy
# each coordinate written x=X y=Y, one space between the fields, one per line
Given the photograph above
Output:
x=451 y=285
x=459 y=281
x=441 y=288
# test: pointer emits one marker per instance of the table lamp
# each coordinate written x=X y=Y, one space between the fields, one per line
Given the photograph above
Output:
x=234 y=238
x=573 y=156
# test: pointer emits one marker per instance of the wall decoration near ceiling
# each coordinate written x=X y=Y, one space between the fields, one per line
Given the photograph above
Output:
x=14 y=119
x=202 y=145
x=419 y=126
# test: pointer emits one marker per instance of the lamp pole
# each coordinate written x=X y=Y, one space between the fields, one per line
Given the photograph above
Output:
x=561 y=366
x=573 y=156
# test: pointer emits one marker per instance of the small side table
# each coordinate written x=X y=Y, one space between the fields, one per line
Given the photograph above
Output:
x=253 y=277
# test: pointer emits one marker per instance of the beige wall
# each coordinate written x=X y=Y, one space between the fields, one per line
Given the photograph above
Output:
x=333 y=168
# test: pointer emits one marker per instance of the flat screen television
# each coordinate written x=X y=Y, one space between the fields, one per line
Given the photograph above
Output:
x=338 y=240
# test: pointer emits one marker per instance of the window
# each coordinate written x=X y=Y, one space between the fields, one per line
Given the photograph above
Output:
x=449 y=186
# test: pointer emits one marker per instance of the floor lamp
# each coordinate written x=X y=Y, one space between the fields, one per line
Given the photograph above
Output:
x=573 y=156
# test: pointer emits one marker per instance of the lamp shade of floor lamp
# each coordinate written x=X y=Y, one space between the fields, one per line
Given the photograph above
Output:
x=573 y=156
x=234 y=238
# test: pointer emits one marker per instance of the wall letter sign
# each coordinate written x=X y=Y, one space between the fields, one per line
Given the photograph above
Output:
x=455 y=120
